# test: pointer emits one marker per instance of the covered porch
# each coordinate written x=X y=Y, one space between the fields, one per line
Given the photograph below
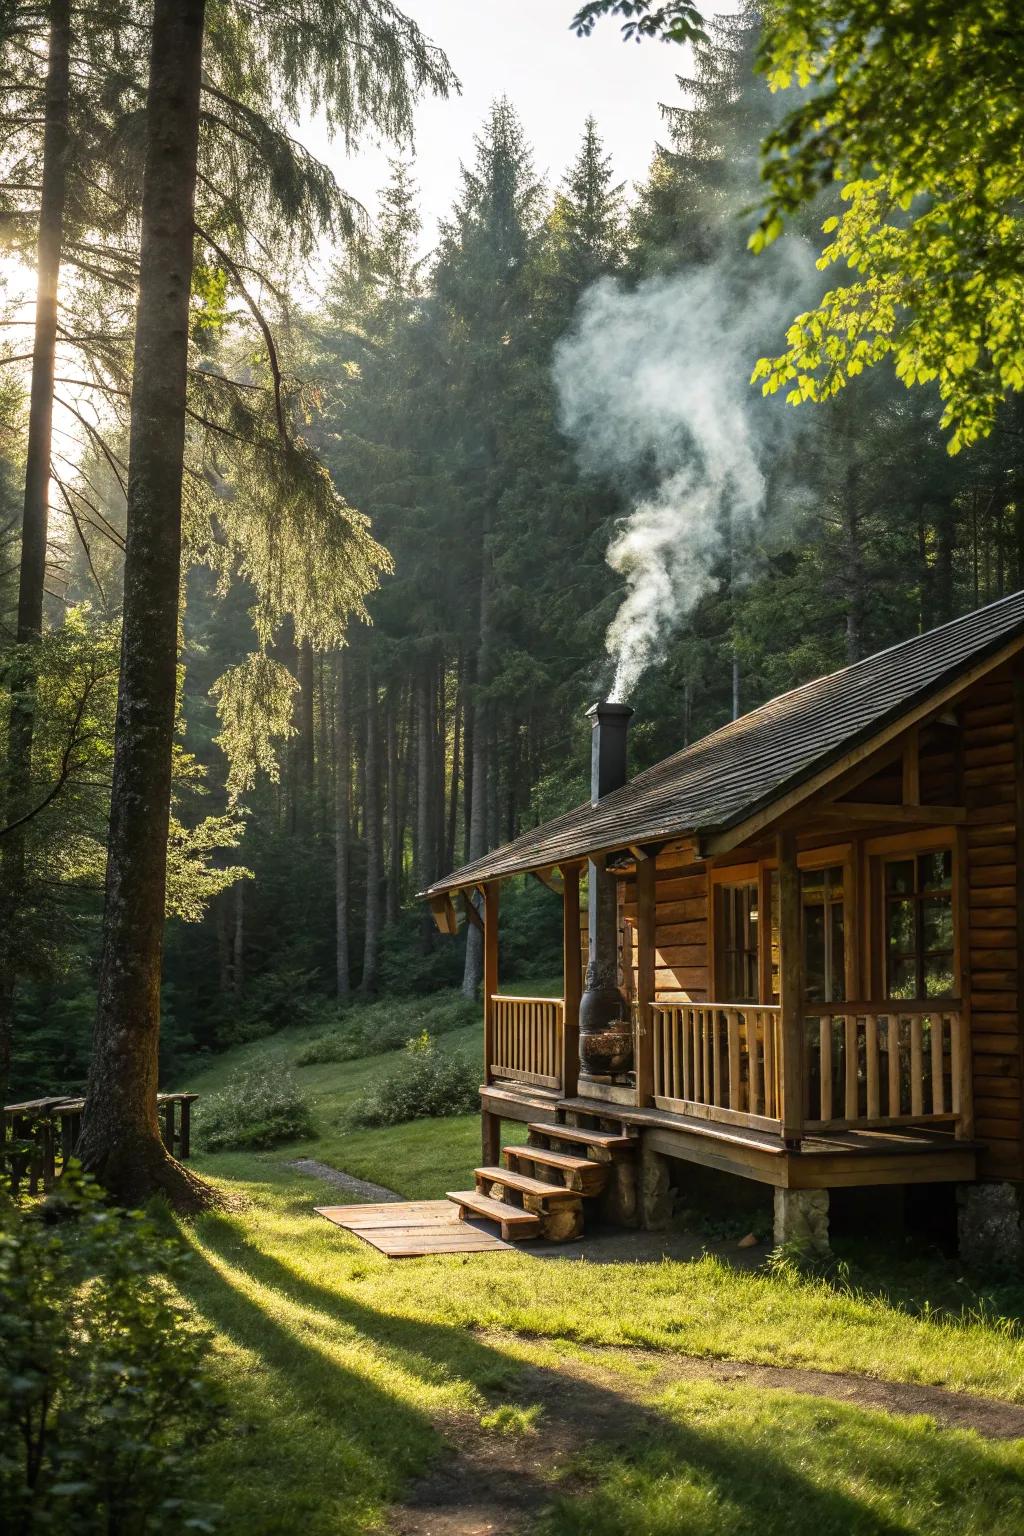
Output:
x=789 y=1093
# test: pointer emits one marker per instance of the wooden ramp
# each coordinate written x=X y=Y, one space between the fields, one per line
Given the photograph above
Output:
x=407 y=1230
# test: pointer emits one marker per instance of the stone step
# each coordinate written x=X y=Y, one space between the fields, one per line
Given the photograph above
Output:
x=524 y=1184
x=515 y=1224
x=582 y=1174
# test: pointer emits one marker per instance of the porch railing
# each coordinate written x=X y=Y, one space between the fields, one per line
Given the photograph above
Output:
x=891 y=1064
x=526 y=1040
x=865 y=1065
x=718 y=1062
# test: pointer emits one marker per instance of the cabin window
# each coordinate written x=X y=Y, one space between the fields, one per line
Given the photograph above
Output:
x=824 y=934
x=736 y=943
x=919 y=949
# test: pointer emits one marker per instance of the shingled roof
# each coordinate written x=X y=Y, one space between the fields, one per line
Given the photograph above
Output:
x=747 y=765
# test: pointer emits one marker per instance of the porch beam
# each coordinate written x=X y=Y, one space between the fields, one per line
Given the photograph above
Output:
x=572 y=978
x=646 y=885
x=470 y=909
x=791 y=989
x=442 y=910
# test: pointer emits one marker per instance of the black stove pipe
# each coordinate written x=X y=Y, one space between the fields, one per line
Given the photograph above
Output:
x=606 y=1035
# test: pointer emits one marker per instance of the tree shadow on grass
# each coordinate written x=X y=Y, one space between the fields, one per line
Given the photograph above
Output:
x=384 y=1441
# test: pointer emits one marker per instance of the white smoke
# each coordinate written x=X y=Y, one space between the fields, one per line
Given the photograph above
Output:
x=653 y=382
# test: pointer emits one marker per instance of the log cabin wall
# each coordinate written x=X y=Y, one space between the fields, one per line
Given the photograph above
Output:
x=680 y=929
x=993 y=785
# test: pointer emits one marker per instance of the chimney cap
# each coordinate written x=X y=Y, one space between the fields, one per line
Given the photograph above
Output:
x=608 y=709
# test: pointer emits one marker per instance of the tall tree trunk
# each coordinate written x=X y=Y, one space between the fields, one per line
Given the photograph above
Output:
x=440 y=761
x=392 y=895
x=425 y=819
x=120 y=1138
x=306 y=743
x=374 y=851
x=468 y=748
x=34 y=516
x=342 y=830
x=453 y=799
x=472 y=973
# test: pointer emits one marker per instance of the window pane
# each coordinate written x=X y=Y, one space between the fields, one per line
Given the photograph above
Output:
x=813 y=884
x=900 y=934
x=937 y=923
x=899 y=877
x=938 y=976
x=814 y=953
x=902 y=978
x=834 y=879
x=935 y=870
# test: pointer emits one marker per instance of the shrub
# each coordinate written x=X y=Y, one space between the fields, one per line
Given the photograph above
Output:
x=426 y=1085
x=103 y=1396
x=260 y=1109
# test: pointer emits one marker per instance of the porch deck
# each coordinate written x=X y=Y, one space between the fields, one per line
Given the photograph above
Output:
x=825 y=1159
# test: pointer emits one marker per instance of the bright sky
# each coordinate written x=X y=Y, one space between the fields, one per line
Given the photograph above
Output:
x=525 y=50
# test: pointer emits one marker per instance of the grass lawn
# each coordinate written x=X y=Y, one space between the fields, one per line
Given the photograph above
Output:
x=349 y=1374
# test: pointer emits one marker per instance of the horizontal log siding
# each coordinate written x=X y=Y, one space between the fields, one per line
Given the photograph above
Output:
x=993 y=938
x=680 y=929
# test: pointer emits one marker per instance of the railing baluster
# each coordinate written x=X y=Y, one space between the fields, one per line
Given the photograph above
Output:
x=871 y=1064
x=892 y=1034
x=735 y=1067
x=754 y=1061
x=825 y=1064
x=954 y=1061
x=937 y=1025
x=705 y=1046
x=850 y=1065
x=916 y=1065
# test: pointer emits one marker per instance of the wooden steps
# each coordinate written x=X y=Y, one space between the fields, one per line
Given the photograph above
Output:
x=524 y=1184
x=581 y=1174
x=601 y=1141
x=515 y=1223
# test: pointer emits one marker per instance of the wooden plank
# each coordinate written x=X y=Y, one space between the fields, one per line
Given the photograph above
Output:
x=511 y=1216
x=425 y=1243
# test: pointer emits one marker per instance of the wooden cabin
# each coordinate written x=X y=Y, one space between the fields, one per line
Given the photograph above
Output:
x=803 y=942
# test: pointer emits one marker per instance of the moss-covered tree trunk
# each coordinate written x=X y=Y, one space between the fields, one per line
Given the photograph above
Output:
x=120 y=1140
x=14 y=802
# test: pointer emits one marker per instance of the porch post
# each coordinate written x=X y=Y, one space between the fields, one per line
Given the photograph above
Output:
x=490 y=1129
x=572 y=979
x=646 y=881
x=791 y=988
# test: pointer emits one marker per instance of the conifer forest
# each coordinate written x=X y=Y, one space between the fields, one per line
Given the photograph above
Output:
x=324 y=519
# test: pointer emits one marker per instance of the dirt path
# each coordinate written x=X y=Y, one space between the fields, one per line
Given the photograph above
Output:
x=498 y=1484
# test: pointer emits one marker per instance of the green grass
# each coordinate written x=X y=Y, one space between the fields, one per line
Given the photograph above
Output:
x=347 y=1372
x=720 y=1462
